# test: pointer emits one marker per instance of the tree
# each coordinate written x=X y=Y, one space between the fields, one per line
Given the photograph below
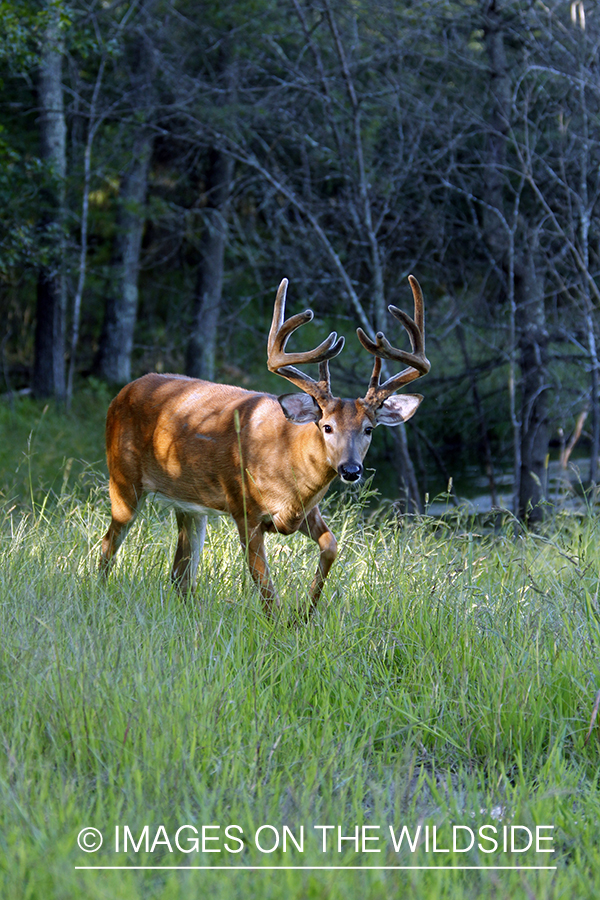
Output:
x=113 y=361
x=120 y=315
x=49 y=361
x=201 y=350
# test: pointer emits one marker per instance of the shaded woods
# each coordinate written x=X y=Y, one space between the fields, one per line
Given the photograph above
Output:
x=164 y=164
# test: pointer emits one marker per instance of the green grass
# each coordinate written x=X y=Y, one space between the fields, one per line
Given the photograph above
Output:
x=448 y=678
x=44 y=449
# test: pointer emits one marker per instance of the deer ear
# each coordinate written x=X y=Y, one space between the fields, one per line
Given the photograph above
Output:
x=397 y=409
x=299 y=408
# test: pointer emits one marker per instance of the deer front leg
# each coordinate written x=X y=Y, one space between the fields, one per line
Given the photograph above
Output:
x=192 y=532
x=314 y=527
x=254 y=546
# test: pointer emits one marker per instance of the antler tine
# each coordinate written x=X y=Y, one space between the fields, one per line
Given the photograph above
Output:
x=282 y=363
x=324 y=377
x=417 y=362
x=418 y=303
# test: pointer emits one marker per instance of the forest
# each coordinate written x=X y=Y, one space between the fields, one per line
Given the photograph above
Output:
x=165 y=163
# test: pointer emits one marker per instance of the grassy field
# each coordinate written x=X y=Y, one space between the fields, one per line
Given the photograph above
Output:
x=448 y=679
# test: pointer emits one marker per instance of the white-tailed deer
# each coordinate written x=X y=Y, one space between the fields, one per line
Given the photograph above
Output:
x=265 y=460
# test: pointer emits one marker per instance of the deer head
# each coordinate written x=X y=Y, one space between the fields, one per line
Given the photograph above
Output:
x=346 y=426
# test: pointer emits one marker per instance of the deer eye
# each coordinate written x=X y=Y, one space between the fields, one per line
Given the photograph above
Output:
x=369 y=430
x=327 y=429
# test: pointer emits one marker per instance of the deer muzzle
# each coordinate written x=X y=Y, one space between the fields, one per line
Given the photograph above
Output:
x=350 y=472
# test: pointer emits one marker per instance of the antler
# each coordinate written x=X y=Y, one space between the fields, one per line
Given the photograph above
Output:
x=284 y=364
x=418 y=364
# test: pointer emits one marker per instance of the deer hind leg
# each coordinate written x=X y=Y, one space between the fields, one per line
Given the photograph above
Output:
x=125 y=500
x=192 y=532
x=314 y=527
x=254 y=546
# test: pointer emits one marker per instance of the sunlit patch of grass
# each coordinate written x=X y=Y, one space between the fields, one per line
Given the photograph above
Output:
x=45 y=446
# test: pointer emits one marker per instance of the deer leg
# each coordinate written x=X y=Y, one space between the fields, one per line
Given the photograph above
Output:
x=254 y=545
x=125 y=501
x=314 y=527
x=192 y=531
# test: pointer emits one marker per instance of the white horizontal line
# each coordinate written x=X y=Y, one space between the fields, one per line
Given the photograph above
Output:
x=336 y=868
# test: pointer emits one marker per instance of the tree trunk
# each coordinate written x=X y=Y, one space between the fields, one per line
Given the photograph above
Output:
x=484 y=435
x=93 y=125
x=533 y=342
x=49 y=358
x=530 y=321
x=201 y=350
x=409 y=495
x=116 y=342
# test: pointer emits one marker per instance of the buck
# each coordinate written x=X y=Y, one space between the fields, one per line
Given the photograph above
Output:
x=267 y=461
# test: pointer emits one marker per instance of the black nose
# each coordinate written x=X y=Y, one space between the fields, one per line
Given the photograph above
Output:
x=349 y=472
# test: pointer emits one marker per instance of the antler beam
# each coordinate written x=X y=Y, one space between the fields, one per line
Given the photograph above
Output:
x=282 y=363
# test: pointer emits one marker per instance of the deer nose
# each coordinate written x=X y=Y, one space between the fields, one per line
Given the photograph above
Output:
x=350 y=471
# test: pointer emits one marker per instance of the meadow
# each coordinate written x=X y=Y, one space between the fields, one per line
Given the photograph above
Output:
x=448 y=680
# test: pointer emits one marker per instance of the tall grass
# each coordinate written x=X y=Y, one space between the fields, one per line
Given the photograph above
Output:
x=41 y=445
x=448 y=677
